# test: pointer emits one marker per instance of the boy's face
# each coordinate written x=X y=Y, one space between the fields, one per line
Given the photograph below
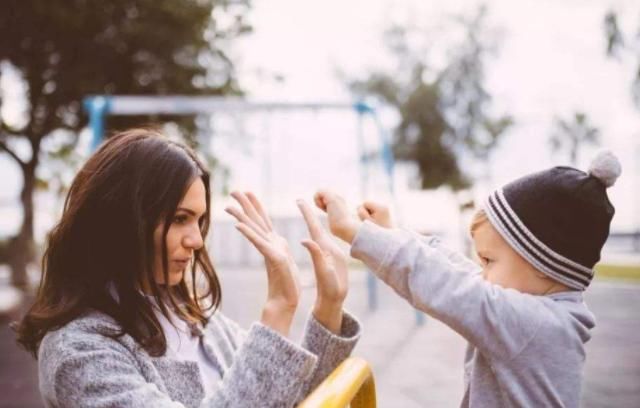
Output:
x=503 y=266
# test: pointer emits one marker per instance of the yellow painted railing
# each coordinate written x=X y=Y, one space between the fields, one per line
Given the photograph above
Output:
x=350 y=384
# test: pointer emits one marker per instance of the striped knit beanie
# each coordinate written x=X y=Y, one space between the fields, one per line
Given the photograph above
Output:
x=558 y=219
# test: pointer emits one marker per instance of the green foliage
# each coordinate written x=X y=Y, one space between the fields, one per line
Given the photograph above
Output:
x=67 y=49
x=445 y=113
x=620 y=44
x=64 y=50
x=571 y=135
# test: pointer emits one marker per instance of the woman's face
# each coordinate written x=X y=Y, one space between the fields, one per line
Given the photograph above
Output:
x=184 y=236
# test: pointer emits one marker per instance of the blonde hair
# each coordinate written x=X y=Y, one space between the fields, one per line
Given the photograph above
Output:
x=479 y=218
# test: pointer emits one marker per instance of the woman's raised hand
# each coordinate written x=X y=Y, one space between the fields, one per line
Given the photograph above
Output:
x=330 y=267
x=282 y=272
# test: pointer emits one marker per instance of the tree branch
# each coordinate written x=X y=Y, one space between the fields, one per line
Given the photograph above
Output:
x=3 y=146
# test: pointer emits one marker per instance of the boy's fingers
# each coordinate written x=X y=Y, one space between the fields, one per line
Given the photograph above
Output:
x=373 y=206
x=260 y=210
x=369 y=205
x=318 y=199
x=248 y=208
x=363 y=213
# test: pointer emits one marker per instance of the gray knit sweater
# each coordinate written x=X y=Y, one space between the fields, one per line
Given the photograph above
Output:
x=524 y=350
x=81 y=367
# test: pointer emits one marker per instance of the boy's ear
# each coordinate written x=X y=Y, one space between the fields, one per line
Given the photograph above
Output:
x=542 y=275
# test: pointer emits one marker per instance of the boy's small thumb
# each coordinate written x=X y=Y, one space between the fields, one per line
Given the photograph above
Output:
x=363 y=213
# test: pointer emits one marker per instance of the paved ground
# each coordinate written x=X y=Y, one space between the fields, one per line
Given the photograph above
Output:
x=414 y=366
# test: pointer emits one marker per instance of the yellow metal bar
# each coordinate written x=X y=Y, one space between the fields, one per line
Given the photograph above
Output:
x=350 y=384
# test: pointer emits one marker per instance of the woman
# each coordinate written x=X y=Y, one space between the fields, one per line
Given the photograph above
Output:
x=126 y=313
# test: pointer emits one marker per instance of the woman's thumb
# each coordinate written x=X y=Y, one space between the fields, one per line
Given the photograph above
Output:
x=317 y=257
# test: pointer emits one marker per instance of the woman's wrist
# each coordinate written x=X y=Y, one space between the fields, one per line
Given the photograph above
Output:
x=278 y=316
x=329 y=314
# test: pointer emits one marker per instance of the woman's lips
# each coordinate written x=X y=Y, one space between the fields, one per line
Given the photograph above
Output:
x=181 y=262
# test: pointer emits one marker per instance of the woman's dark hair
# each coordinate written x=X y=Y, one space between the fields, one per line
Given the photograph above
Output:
x=102 y=249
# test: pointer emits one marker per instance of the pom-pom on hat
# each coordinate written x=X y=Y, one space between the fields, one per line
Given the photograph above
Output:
x=558 y=219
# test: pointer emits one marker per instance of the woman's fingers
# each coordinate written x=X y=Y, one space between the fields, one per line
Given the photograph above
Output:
x=244 y=218
x=317 y=257
x=259 y=209
x=313 y=224
x=256 y=239
x=249 y=209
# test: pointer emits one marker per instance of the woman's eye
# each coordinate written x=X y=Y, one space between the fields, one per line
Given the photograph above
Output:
x=180 y=219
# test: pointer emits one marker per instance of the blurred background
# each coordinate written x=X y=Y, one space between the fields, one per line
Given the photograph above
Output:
x=427 y=106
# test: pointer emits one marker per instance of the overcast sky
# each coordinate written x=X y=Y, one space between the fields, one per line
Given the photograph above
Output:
x=551 y=62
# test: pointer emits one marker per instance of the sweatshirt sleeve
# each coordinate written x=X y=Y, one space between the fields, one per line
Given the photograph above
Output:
x=448 y=286
x=331 y=349
x=268 y=371
x=94 y=373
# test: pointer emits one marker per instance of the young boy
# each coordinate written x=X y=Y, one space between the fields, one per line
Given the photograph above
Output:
x=522 y=312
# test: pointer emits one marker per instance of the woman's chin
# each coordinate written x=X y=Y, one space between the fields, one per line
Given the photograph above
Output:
x=175 y=278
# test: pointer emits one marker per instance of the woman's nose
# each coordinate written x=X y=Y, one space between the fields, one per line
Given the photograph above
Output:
x=193 y=240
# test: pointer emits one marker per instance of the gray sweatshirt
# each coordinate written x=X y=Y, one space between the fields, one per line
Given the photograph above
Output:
x=524 y=350
x=78 y=366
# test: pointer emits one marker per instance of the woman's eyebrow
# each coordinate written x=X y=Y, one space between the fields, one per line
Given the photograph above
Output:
x=187 y=210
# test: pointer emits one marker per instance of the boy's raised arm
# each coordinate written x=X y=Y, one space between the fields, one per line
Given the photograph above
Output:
x=498 y=321
x=440 y=282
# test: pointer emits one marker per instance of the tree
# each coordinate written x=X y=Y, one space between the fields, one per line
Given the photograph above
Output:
x=620 y=45
x=64 y=50
x=573 y=134
x=445 y=114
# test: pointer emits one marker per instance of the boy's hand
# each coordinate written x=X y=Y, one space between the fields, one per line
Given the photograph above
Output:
x=375 y=212
x=342 y=224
